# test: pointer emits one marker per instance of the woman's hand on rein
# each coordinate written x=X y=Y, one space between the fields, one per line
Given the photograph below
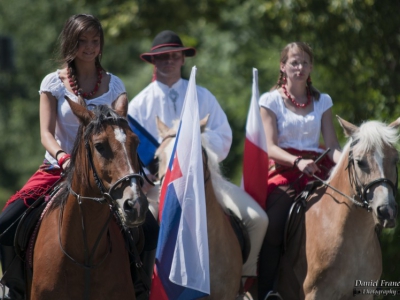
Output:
x=65 y=164
x=308 y=167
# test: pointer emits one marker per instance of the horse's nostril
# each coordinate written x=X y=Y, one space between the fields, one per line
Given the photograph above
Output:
x=129 y=204
x=385 y=212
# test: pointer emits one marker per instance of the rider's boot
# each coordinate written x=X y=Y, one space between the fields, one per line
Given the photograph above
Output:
x=148 y=260
x=13 y=273
x=268 y=270
x=143 y=276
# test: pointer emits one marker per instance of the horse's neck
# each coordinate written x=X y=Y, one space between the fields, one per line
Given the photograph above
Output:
x=82 y=216
x=211 y=197
x=215 y=211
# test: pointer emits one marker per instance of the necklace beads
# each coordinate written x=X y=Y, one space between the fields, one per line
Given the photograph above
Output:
x=73 y=82
x=295 y=103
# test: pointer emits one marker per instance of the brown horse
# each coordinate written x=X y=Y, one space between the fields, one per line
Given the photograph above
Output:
x=224 y=250
x=80 y=251
x=336 y=251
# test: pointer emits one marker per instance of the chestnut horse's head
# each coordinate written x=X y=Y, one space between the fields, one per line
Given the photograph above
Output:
x=372 y=167
x=104 y=162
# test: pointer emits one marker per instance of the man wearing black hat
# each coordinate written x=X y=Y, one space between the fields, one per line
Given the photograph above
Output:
x=165 y=95
x=164 y=98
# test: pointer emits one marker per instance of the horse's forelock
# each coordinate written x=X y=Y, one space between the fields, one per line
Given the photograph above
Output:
x=374 y=135
x=371 y=135
x=102 y=113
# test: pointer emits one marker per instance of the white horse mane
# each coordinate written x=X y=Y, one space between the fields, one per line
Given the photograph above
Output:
x=213 y=164
x=371 y=135
x=220 y=184
x=374 y=135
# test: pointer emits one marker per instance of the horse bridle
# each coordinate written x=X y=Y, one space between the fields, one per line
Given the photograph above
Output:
x=361 y=189
x=107 y=195
x=106 y=198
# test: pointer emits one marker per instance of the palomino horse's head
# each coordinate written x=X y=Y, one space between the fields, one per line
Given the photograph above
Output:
x=165 y=149
x=105 y=161
x=372 y=167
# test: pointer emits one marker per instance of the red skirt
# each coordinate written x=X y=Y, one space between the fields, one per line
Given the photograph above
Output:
x=38 y=184
x=284 y=175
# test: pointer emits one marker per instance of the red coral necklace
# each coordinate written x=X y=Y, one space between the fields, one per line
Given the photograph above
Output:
x=73 y=82
x=297 y=104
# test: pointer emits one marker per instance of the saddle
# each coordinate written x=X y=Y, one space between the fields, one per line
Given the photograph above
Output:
x=29 y=221
x=241 y=234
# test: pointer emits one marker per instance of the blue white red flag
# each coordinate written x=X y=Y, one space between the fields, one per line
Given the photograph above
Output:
x=148 y=144
x=255 y=156
x=182 y=259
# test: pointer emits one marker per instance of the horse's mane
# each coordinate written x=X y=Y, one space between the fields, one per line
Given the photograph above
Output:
x=217 y=178
x=78 y=154
x=213 y=164
x=371 y=135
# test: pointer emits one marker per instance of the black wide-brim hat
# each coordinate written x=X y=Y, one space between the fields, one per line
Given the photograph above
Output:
x=164 y=42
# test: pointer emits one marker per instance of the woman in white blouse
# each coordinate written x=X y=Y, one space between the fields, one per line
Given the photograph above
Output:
x=294 y=115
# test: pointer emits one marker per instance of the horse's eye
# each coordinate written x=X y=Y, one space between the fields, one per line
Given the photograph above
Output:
x=99 y=147
x=362 y=164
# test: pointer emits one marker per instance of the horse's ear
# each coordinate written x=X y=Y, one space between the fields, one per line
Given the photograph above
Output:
x=395 y=124
x=84 y=115
x=81 y=101
x=120 y=105
x=162 y=128
x=349 y=129
x=203 y=123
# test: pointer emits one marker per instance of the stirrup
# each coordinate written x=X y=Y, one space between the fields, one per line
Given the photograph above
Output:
x=244 y=296
x=3 y=295
x=2 y=290
x=272 y=294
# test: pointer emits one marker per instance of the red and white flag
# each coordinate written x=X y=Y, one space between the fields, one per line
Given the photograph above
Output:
x=255 y=156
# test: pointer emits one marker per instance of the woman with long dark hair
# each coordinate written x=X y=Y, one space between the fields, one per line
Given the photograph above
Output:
x=81 y=74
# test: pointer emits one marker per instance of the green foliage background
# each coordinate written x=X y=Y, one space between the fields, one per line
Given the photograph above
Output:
x=356 y=45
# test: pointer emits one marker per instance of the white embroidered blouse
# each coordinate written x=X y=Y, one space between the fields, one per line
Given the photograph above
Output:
x=296 y=131
x=67 y=123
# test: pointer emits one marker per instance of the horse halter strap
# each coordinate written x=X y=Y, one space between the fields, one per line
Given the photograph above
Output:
x=97 y=179
x=363 y=190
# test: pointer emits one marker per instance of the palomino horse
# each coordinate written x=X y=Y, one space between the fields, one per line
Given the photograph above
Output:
x=336 y=251
x=80 y=251
x=224 y=250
